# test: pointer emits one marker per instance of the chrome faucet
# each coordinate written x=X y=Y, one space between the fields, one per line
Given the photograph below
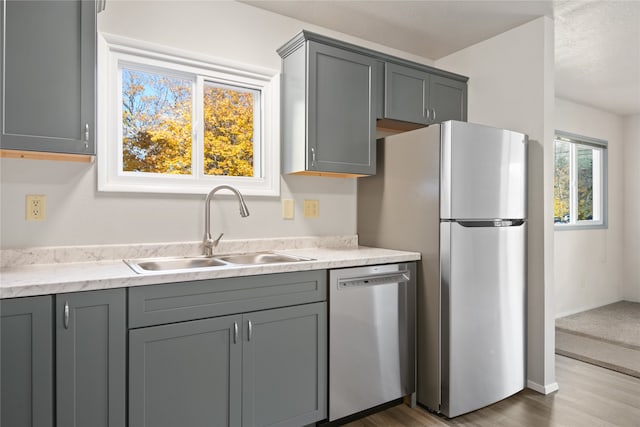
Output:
x=208 y=242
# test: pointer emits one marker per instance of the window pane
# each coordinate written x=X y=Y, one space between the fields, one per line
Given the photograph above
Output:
x=585 y=183
x=562 y=182
x=229 y=121
x=156 y=123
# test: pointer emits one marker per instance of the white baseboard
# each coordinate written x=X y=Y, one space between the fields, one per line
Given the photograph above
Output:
x=543 y=389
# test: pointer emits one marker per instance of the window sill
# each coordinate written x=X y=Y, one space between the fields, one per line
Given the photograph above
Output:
x=573 y=227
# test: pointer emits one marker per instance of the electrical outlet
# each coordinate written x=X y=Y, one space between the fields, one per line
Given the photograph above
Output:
x=287 y=208
x=36 y=207
x=311 y=209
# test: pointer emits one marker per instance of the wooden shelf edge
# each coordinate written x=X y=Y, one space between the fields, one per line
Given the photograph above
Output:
x=38 y=155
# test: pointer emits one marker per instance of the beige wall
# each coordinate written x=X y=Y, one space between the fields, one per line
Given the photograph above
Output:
x=511 y=86
x=631 y=205
x=77 y=214
x=589 y=267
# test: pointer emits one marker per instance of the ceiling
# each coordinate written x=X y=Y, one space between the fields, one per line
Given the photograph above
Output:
x=597 y=43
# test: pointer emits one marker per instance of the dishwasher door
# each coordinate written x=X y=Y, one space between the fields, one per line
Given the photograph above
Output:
x=371 y=337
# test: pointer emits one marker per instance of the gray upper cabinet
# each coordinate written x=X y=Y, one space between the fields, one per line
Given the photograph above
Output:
x=447 y=99
x=421 y=97
x=284 y=366
x=48 y=74
x=329 y=106
x=406 y=94
x=335 y=95
x=91 y=359
x=26 y=359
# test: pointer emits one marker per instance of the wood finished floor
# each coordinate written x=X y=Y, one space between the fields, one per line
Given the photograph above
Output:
x=589 y=396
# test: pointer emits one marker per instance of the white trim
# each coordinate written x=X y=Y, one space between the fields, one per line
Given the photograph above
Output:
x=543 y=389
x=115 y=50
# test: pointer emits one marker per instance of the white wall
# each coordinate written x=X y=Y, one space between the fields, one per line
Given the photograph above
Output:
x=77 y=214
x=511 y=86
x=589 y=264
x=631 y=204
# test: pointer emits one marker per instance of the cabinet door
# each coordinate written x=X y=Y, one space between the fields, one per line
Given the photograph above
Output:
x=284 y=366
x=91 y=358
x=26 y=359
x=406 y=94
x=447 y=99
x=186 y=374
x=48 y=65
x=341 y=111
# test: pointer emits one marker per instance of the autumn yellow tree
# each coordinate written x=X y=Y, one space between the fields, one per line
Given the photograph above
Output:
x=156 y=123
x=228 y=131
x=157 y=126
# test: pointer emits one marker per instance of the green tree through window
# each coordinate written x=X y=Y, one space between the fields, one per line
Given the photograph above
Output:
x=579 y=181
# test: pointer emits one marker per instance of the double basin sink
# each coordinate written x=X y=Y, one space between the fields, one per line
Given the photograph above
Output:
x=171 y=264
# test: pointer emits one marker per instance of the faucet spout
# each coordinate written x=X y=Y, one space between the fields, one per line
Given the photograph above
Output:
x=209 y=243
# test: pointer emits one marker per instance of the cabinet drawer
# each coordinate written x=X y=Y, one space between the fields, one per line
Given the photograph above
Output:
x=176 y=302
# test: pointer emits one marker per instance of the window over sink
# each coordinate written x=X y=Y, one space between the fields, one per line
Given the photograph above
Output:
x=177 y=123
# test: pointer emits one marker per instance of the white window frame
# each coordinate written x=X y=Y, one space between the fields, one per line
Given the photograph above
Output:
x=116 y=50
x=600 y=199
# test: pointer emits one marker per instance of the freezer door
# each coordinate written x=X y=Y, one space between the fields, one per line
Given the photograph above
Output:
x=483 y=325
x=483 y=172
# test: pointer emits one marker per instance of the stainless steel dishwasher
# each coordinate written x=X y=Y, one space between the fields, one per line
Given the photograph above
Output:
x=372 y=337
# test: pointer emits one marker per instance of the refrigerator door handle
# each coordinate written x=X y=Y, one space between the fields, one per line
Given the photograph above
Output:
x=492 y=223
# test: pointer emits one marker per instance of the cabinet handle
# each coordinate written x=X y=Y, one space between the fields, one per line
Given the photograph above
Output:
x=86 y=135
x=250 y=330
x=313 y=156
x=433 y=111
x=66 y=315
x=426 y=113
x=235 y=332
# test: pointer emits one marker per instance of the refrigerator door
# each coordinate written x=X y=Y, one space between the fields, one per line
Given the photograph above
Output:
x=483 y=172
x=483 y=323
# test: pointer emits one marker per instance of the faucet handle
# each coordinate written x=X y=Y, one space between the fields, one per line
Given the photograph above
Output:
x=216 y=241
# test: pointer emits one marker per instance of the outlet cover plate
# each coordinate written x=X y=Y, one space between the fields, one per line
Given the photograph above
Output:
x=35 y=207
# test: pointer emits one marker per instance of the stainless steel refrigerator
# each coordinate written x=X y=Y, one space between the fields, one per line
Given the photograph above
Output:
x=456 y=192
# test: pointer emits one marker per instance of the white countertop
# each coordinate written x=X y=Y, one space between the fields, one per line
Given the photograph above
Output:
x=43 y=279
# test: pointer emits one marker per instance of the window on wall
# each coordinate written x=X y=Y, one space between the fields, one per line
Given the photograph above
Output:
x=178 y=124
x=580 y=190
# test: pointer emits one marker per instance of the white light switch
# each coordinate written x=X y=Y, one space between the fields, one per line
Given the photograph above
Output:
x=311 y=208
x=287 y=208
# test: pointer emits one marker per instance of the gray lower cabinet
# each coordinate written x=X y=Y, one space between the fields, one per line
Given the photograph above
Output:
x=284 y=366
x=417 y=96
x=26 y=359
x=186 y=374
x=247 y=351
x=266 y=368
x=329 y=107
x=91 y=358
x=48 y=73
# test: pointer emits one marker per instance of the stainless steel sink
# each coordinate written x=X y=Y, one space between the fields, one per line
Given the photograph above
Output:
x=170 y=264
x=260 y=258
